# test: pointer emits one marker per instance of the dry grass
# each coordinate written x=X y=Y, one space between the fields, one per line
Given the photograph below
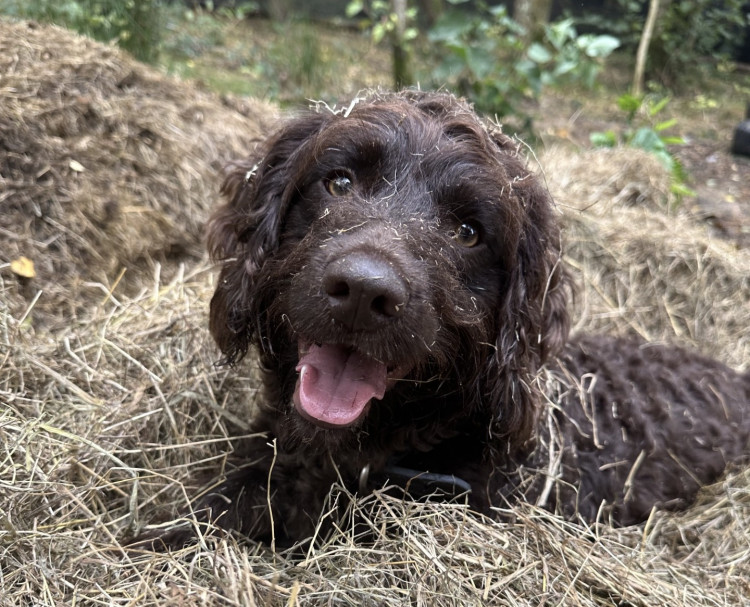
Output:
x=109 y=418
x=644 y=267
x=107 y=425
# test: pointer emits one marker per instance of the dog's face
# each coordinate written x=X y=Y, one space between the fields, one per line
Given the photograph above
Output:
x=393 y=254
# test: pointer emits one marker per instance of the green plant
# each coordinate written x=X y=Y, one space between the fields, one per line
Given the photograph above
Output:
x=565 y=57
x=484 y=56
x=473 y=52
x=381 y=19
x=651 y=136
x=385 y=21
x=134 y=24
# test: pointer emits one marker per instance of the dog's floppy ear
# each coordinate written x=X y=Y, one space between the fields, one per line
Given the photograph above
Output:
x=243 y=233
x=532 y=317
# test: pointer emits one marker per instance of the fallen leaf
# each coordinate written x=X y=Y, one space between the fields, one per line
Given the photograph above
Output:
x=24 y=267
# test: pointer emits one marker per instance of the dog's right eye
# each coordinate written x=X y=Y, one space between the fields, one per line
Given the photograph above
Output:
x=467 y=235
x=338 y=185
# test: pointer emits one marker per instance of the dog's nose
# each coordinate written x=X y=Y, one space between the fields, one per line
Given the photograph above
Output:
x=364 y=290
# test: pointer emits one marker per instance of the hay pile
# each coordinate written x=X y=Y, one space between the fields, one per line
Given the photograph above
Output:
x=109 y=426
x=107 y=423
x=642 y=266
x=105 y=164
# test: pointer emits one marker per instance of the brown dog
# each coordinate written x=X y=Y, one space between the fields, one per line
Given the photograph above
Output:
x=398 y=270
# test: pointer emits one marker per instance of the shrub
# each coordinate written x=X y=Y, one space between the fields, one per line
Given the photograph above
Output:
x=688 y=33
x=484 y=57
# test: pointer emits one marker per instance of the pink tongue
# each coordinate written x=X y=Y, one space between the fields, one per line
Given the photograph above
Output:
x=335 y=384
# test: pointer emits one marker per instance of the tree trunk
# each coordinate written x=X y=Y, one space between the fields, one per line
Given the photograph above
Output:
x=533 y=15
x=429 y=11
x=401 y=60
x=642 y=54
x=279 y=10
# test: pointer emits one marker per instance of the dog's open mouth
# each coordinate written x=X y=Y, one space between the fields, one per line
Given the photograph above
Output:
x=336 y=384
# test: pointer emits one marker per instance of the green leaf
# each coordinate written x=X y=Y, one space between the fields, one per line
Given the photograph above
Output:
x=680 y=189
x=629 y=103
x=565 y=67
x=546 y=79
x=378 y=32
x=598 y=46
x=459 y=51
x=451 y=26
x=679 y=171
x=587 y=73
x=666 y=159
x=560 y=32
x=479 y=61
x=660 y=105
x=354 y=8
x=538 y=54
x=667 y=124
x=498 y=11
x=607 y=139
x=526 y=68
x=647 y=139
x=411 y=33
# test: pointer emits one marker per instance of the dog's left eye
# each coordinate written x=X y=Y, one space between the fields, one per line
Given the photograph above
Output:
x=338 y=185
x=466 y=235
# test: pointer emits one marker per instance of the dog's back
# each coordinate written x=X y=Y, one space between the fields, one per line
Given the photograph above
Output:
x=632 y=426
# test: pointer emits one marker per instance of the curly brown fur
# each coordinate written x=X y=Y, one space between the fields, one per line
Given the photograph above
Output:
x=397 y=269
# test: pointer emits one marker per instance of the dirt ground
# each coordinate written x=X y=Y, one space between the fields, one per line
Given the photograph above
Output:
x=721 y=182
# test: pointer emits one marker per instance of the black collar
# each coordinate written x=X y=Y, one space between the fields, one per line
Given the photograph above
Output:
x=418 y=484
